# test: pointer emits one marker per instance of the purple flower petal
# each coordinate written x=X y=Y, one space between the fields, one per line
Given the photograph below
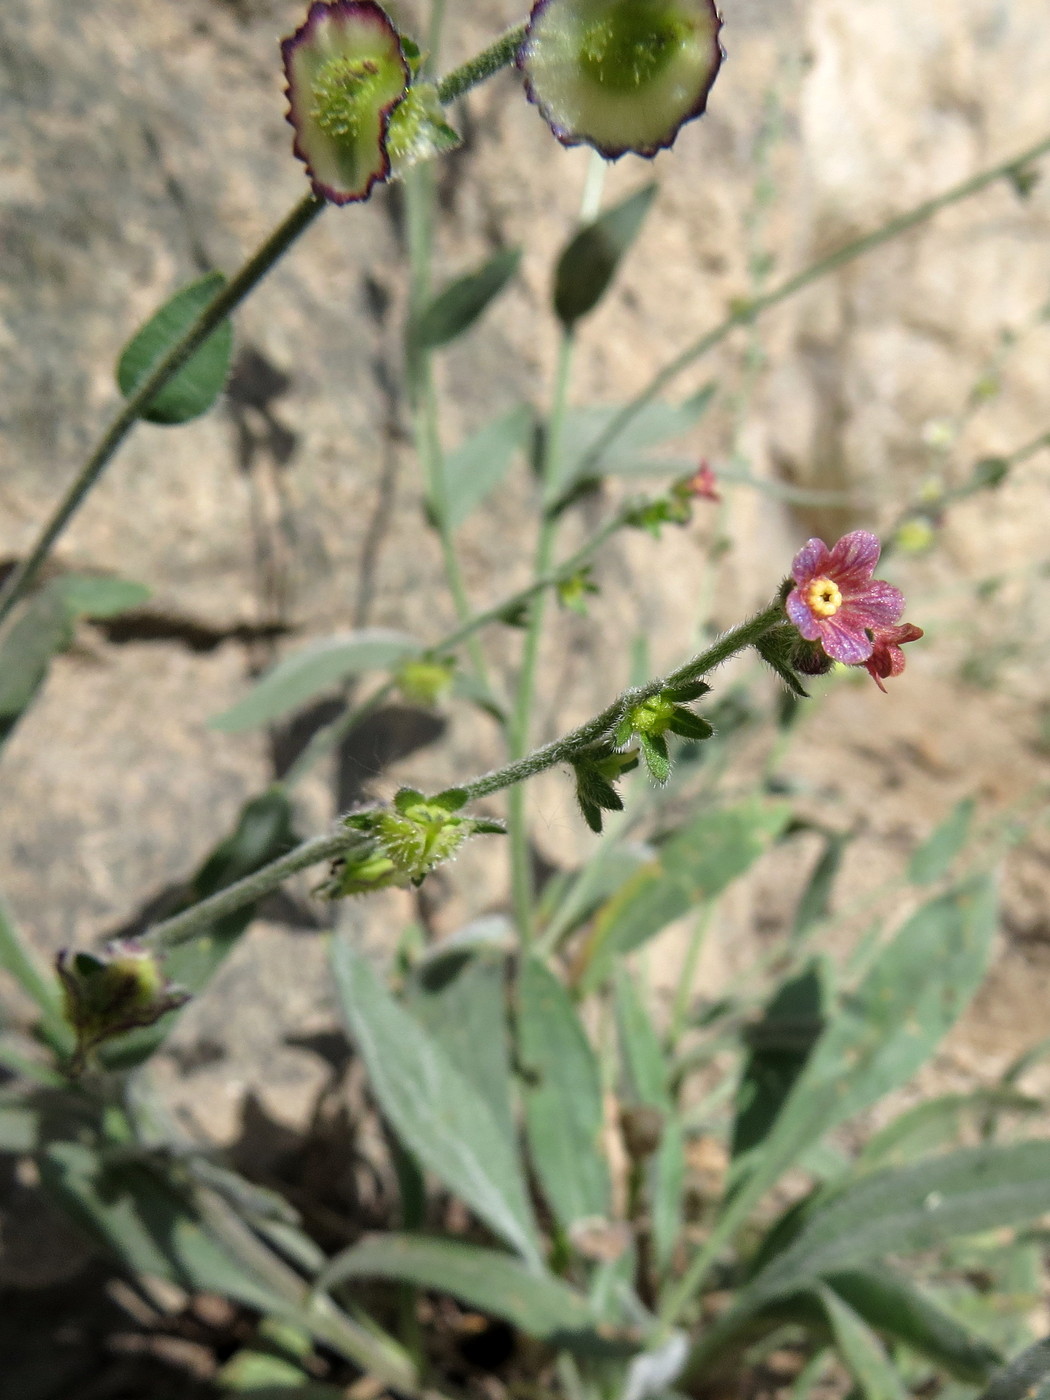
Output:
x=800 y=614
x=809 y=563
x=843 y=642
x=880 y=605
x=854 y=557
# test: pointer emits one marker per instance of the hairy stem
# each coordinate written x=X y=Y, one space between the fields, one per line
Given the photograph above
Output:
x=344 y=842
x=498 y=55
x=218 y=309
x=746 y=312
x=453 y=85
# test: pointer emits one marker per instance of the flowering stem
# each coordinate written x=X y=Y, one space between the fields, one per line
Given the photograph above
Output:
x=498 y=55
x=218 y=309
x=191 y=922
x=180 y=928
x=746 y=311
x=563 y=750
x=453 y=85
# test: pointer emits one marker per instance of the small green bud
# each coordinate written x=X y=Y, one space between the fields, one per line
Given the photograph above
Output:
x=418 y=130
x=119 y=989
x=407 y=841
x=426 y=682
x=573 y=591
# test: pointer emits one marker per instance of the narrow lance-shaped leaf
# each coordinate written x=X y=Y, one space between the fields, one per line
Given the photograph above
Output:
x=315 y=669
x=460 y=1000
x=587 y=266
x=907 y=1209
x=933 y=859
x=45 y=627
x=477 y=467
x=697 y=862
x=438 y=1115
x=455 y=309
x=1026 y=1377
x=563 y=1098
x=200 y=381
x=861 y=1350
x=498 y=1284
x=886 y=1030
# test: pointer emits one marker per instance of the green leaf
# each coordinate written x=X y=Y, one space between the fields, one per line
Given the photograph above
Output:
x=907 y=1209
x=698 y=862
x=563 y=1098
x=460 y=1000
x=455 y=309
x=18 y=960
x=1024 y=1378
x=781 y=1044
x=667 y=1191
x=494 y=1283
x=200 y=381
x=45 y=627
x=919 y=986
x=626 y=454
x=861 y=1350
x=254 y=1371
x=149 y=1225
x=263 y=832
x=319 y=667
x=19 y=1128
x=814 y=903
x=937 y=1123
x=891 y=1304
x=689 y=726
x=588 y=264
x=933 y=859
x=438 y=1114
x=640 y=1045
x=477 y=467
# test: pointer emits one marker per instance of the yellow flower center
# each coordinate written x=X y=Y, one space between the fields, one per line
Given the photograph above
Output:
x=823 y=597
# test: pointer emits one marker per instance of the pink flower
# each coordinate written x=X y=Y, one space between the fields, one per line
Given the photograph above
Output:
x=886 y=658
x=835 y=599
x=703 y=484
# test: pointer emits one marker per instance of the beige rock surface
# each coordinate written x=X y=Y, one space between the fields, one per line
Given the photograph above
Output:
x=149 y=142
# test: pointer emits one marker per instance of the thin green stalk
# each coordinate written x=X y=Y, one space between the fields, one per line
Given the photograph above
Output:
x=746 y=311
x=181 y=928
x=517 y=825
x=484 y=65
x=191 y=922
x=566 y=748
x=218 y=309
x=453 y=85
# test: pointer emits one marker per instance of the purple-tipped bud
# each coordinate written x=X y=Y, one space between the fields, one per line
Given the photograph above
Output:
x=118 y=989
x=346 y=74
x=621 y=75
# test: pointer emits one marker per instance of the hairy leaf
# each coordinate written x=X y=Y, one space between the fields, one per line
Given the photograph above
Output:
x=200 y=381
x=477 y=467
x=455 y=309
x=563 y=1098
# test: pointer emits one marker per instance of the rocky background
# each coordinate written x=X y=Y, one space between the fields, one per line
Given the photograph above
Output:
x=143 y=145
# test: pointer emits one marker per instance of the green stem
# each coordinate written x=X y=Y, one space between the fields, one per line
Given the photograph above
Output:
x=217 y=310
x=181 y=928
x=453 y=85
x=191 y=922
x=746 y=312
x=498 y=55
x=603 y=725
x=517 y=825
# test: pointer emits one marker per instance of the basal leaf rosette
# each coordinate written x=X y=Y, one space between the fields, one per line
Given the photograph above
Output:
x=621 y=75
x=346 y=73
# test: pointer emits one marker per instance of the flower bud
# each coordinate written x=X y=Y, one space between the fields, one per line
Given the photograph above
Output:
x=346 y=73
x=621 y=75
x=119 y=989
